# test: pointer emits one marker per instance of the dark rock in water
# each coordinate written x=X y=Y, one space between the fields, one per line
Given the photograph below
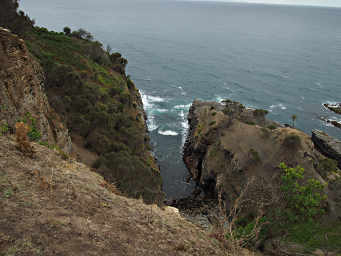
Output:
x=327 y=145
x=334 y=107
x=335 y=123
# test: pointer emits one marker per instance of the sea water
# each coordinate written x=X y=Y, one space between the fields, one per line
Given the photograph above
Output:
x=284 y=59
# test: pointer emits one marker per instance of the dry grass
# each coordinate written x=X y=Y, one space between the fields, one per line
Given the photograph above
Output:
x=54 y=207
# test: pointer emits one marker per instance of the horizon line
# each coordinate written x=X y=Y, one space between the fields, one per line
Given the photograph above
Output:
x=267 y=2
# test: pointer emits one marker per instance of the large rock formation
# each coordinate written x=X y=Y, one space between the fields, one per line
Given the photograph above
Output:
x=228 y=143
x=22 y=95
x=327 y=145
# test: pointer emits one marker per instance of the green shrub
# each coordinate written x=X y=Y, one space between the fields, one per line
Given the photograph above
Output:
x=304 y=198
x=292 y=141
x=212 y=123
x=67 y=31
x=4 y=129
x=250 y=122
x=214 y=113
x=260 y=112
x=44 y=143
x=272 y=127
x=326 y=166
x=34 y=134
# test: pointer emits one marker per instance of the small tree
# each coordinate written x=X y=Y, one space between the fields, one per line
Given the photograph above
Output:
x=83 y=34
x=293 y=117
x=303 y=198
x=67 y=31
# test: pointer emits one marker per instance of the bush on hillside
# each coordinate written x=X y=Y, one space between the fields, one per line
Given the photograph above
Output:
x=67 y=31
x=292 y=141
x=82 y=34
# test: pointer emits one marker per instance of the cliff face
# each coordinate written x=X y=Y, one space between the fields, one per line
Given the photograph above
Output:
x=22 y=94
x=102 y=107
x=227 y=144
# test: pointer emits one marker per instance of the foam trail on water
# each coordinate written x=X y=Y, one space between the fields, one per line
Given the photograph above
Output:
x=161 y=110
x=279 y=105
x=185 y=107
x=168 y=133
x=182 y=113
x=149 y=107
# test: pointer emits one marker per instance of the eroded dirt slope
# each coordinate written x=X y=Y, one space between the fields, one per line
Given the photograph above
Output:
x=50 y=206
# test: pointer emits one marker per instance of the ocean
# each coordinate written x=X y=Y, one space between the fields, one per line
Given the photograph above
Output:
x=286 y=59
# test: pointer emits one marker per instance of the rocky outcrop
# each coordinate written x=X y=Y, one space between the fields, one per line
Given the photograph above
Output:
x=334 y=107
x=22 y=95
x=227 y=144
x=327 y=145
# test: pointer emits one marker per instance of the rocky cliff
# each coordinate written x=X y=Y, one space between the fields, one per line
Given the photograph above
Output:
x=234 y=153
x=228 y=143
x=22 y=94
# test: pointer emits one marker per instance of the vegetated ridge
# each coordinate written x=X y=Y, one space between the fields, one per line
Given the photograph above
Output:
x=88 y=93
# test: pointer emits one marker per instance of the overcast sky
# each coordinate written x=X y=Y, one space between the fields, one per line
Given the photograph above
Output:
x=331 y=3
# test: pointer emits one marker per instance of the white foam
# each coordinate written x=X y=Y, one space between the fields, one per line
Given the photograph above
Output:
x=280 y=106
x=168 y=133
x=148 y=100
x=185 y=107
x=219 y=99
x=151 y=124
x=155 y=98
x=161 y=110
x=182 y=91
x=149 y=106
x=146 y=103
x=332 y=104
x=184 y=127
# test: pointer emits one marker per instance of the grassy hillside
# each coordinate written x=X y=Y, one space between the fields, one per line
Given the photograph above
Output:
x=54 y=207
x=101 y=106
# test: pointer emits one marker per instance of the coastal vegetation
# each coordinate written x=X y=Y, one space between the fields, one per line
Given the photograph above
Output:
x=275 y=192
x=99 y=103
x=292 y=214
x=94 y=98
